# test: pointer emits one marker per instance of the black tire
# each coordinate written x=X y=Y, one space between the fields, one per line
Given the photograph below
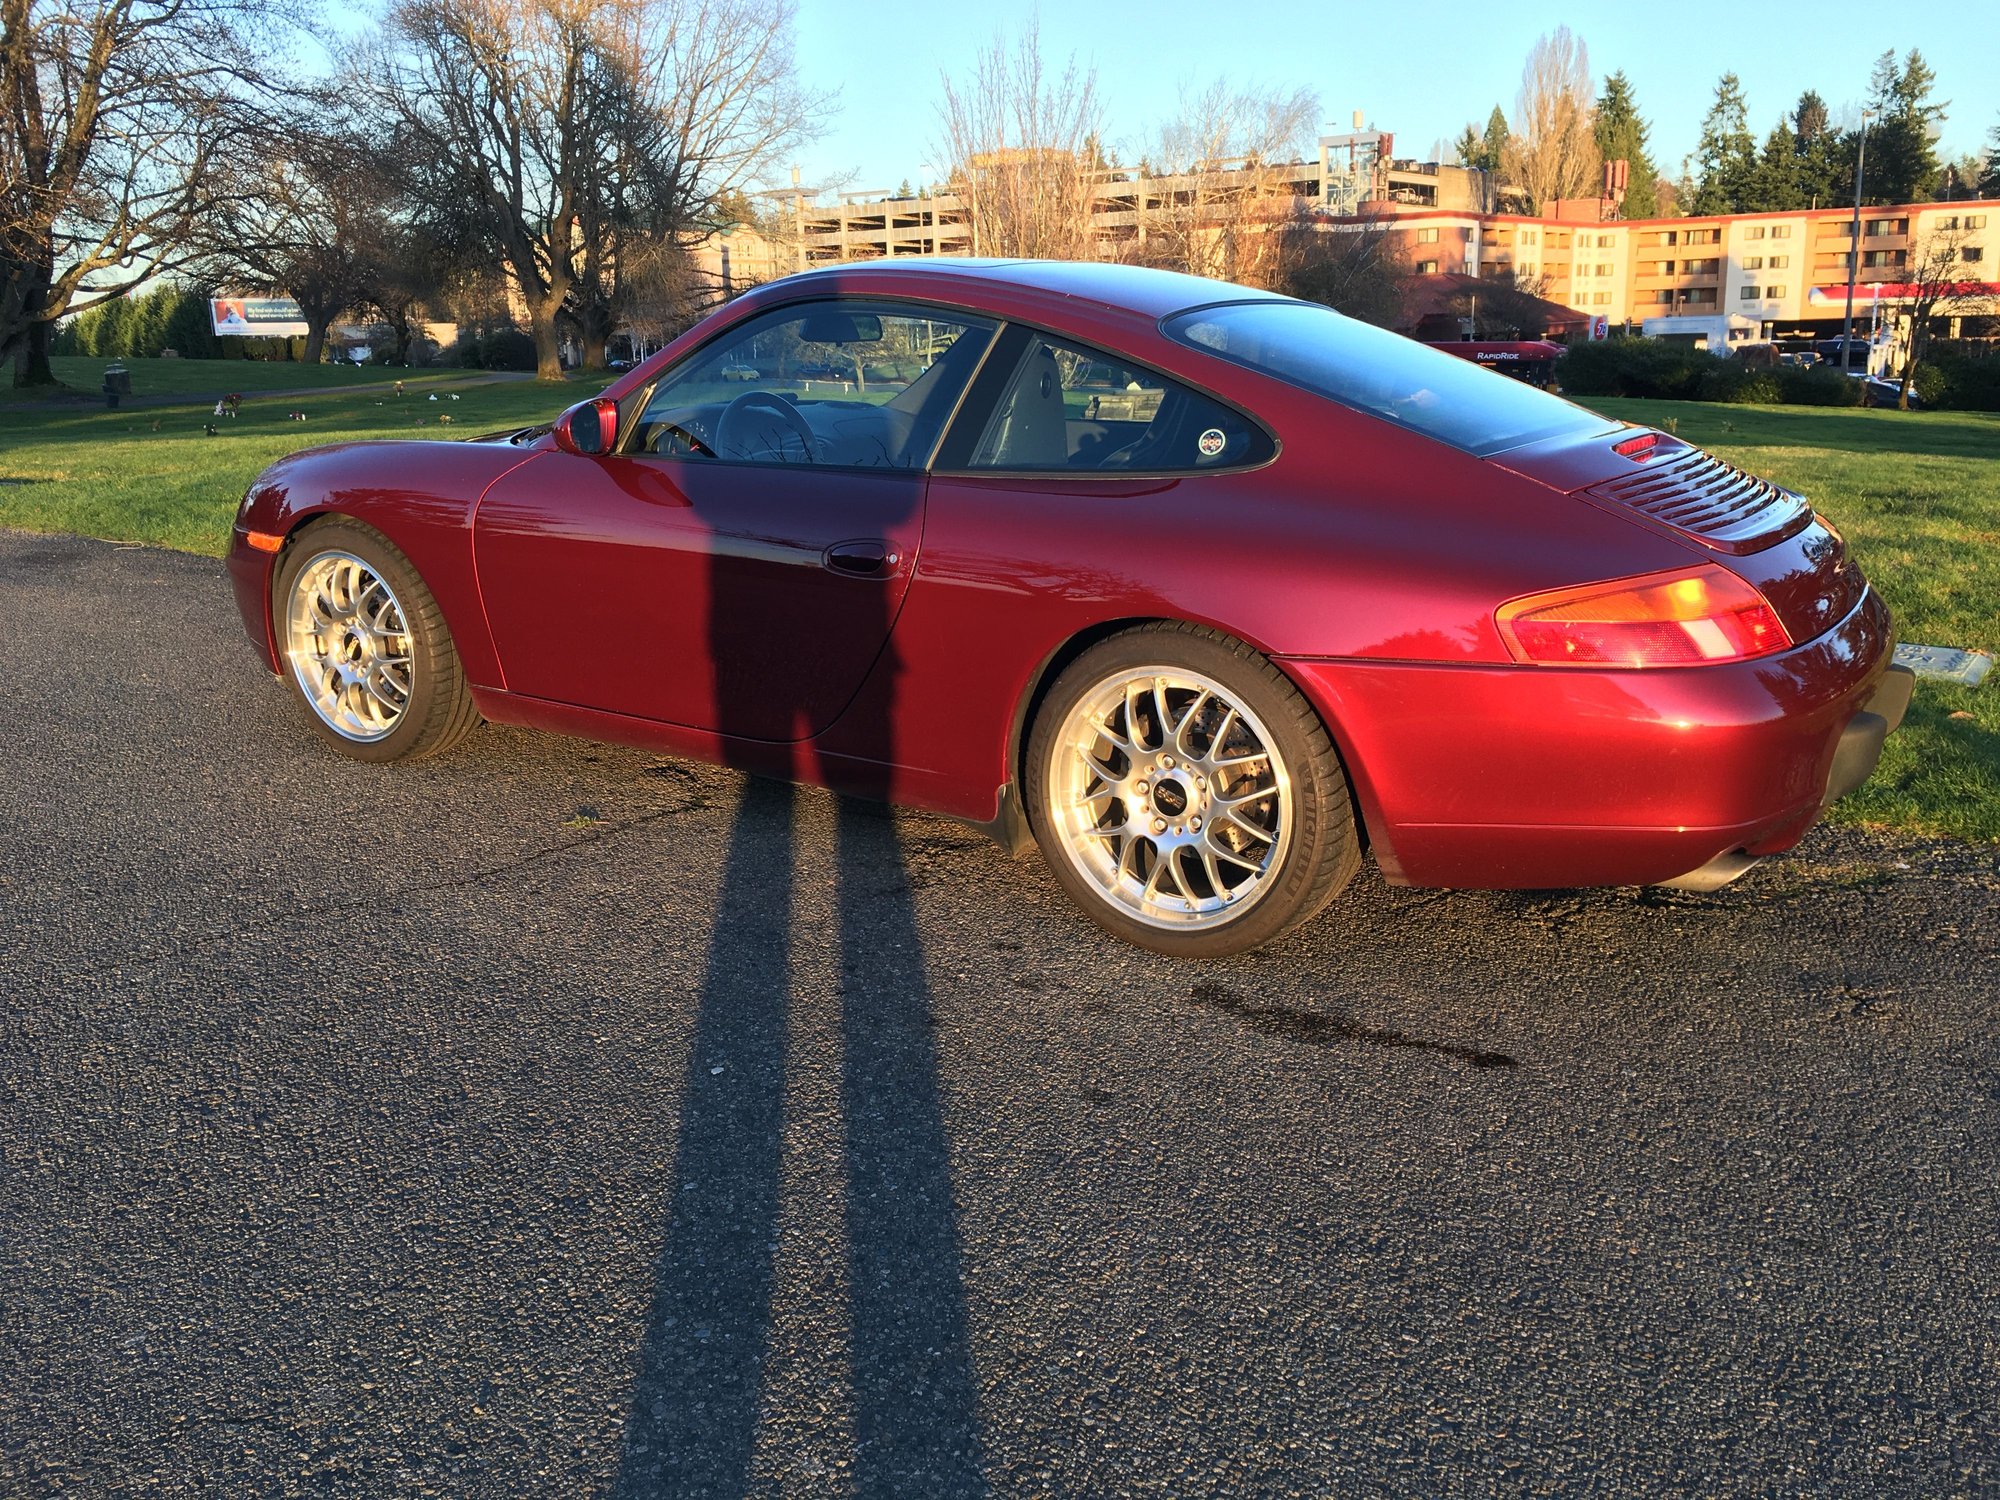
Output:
x=1321 y=847
x=439 y=711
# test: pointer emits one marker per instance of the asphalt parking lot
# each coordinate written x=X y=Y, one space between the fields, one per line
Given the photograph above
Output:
x=556 y=1119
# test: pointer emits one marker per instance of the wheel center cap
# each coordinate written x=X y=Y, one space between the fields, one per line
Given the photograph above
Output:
x=1170 y=798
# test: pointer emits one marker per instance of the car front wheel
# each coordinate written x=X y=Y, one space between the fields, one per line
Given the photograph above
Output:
x=365 y=648
x=1186 y=795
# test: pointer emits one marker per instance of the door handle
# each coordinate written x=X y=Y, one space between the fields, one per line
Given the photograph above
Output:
x=871 y=559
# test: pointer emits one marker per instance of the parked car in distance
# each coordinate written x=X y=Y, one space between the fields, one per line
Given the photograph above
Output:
x=1878 y=390
x=1757 y=356
x=1206 y=592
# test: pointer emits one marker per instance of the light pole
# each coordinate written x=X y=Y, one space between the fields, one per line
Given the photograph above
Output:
x=1854 y=247
x=799 y=218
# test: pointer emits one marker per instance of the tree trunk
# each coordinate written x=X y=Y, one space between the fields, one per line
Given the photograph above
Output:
x=594 y=332
x=28 y=299
x=31 y=358
x=548 y=342
x=315 y=338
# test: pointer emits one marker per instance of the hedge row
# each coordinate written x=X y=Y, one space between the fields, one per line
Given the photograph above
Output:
x=167 y=317
x=1680 y=372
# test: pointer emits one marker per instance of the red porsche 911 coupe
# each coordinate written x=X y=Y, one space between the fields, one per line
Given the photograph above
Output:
x=1204 y=590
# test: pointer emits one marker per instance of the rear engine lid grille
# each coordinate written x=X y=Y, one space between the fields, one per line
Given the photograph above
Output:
x=1715 y=503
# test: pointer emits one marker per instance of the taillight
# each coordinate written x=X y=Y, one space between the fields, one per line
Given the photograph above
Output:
x=1663 y=620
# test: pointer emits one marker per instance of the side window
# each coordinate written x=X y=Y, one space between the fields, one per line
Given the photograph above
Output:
x=1075 y=409
x=848 y=383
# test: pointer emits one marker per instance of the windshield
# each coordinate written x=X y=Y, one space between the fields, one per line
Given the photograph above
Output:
x=1383 y=374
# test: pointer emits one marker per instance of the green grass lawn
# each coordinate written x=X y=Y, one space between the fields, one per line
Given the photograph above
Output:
x=1916 y=494
x=217 y=377
x=154 y=475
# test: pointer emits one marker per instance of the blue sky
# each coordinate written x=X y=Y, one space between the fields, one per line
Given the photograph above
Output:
x=1421 y=70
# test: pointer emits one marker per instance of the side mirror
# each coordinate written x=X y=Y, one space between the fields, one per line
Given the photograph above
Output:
x=589 y=428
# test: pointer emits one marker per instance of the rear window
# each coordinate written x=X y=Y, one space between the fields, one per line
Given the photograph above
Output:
x=1383 y=374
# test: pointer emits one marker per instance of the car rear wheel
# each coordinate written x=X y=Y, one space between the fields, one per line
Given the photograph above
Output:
x=1186 y=795
x=365 y=648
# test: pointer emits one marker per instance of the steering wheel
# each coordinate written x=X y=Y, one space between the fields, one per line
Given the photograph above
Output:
x=736 y=414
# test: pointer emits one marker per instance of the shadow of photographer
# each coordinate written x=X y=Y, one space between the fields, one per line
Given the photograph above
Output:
x=705 y=1355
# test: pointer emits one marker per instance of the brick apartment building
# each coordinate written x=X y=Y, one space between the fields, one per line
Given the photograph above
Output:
x=1784 y=272
x=1787 y=272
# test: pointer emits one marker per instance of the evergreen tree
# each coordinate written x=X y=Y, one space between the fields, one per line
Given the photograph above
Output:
x=1777 y=182
x=1902 y=162
x=1960 y=179
x=1496 y=138
x=189 y=330
x=146 y=329
x=1989 y=180
x=1482 y=149
x=1621 y=135
x=1817 y=173
x=106 y=335
x=1725 y=155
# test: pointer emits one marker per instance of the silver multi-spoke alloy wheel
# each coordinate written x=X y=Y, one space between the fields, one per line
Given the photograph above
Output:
x=1170 y=797
x=349 y=645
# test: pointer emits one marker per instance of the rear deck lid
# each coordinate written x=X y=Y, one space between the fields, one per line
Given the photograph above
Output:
x=1671 y=484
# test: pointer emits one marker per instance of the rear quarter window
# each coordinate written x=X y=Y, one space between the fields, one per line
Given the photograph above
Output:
x=1382 y=374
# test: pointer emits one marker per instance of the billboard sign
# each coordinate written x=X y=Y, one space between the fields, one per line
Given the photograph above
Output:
x=257 y=317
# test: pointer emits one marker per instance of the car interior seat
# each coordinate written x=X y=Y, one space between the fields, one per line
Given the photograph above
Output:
x=1030 y=432
x=928 y=400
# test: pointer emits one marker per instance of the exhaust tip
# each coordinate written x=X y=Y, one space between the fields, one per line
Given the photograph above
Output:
x=1714 y=875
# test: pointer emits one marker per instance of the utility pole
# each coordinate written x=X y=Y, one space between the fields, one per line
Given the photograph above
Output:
x=1854 y=247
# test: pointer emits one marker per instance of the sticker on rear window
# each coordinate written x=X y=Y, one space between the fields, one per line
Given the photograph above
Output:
x=1211 y=442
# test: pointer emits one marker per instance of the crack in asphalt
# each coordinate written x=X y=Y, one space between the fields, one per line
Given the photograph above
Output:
x=1322 y=1028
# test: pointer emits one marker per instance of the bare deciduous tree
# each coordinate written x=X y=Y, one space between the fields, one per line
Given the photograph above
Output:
x=1940 y=283
x=115 y=120
x=1510 y=305
x=1354 y=265
x=706 y=102
x=1020 y=141
x=559 y=127
x=1551 y=153
x=404 y=270
x=307 y=220
x=1224 y=184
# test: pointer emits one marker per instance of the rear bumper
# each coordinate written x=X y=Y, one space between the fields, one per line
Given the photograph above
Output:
x=1859 y=749
x=1854 y=760
x=1526 y=777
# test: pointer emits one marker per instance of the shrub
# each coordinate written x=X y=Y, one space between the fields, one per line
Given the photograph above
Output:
x=1635 y=367
x=1932 y=386
x=1968 y=381
x=1813 y=385
x=1740 y=386
x=507 y=349
x=464 y=352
